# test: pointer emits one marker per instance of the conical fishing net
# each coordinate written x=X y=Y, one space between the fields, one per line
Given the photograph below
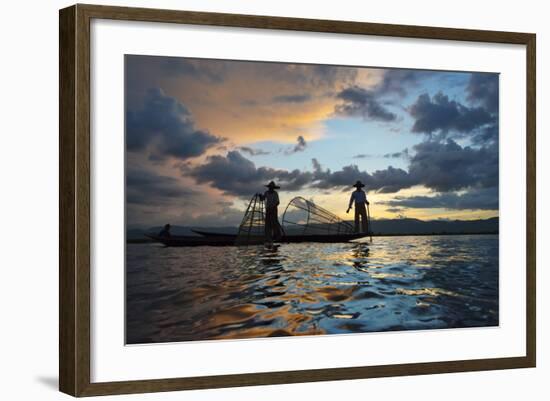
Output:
x=252 y=228
x=303 y=217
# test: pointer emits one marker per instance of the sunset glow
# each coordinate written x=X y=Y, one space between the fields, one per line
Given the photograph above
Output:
x=203 y=136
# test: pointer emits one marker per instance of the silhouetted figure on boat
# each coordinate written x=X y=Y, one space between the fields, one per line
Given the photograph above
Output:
x=165 y=232
x=272 y=226
x=359 y=198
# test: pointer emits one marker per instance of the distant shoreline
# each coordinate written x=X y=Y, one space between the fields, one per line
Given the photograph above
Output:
x=433 y=234
x=150 y=241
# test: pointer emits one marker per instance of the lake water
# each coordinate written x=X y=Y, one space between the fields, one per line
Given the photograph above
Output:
x=395 y=283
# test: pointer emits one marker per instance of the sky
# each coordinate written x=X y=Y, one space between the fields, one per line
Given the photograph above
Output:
x=203 y=136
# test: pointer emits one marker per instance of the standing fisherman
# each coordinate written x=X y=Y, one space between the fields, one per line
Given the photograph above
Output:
x=272 y=226
x=360 y=198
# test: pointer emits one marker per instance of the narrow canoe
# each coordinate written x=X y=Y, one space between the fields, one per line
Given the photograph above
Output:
x=188 y=240
x=227 y=239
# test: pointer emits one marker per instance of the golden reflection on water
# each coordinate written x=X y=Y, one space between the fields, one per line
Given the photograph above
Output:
x=434 y=292
x=294 y=321
x=234 y=315
x=182 y=294
x=390 y=275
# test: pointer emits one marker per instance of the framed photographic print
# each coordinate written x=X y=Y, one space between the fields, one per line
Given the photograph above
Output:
x=250 y=200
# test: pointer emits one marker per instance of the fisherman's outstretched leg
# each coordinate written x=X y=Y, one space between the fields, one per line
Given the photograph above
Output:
x=361 y=212
x=364 y=220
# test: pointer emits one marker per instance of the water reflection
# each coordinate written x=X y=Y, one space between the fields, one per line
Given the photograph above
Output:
x=400 y=283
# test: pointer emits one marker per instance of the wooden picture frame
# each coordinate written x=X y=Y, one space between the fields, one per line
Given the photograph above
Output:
x=74 y=205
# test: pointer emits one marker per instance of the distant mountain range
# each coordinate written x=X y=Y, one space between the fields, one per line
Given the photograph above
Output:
x=414 y=226
x=404 y=226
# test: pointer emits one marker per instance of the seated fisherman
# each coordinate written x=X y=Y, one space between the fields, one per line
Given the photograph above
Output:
x=165 y=232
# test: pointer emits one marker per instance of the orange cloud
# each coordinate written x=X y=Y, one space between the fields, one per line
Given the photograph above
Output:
x=249 y=105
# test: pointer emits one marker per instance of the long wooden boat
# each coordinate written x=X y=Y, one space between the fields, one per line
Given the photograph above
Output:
x=190 y=240
x=322 y=238
x=216 y=239
x=214 y=234
x=320 y=225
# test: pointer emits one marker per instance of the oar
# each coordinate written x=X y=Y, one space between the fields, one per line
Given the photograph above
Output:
x=368 y=218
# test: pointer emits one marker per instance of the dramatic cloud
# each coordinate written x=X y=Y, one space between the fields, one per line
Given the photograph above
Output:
x=479 y=199
x=145 y=187
x=364 y=103
x=236 y=98
x=371 y=103
x=448 y=166
x=388 y=180
x=327 y=75
x=391 y=180
x=438 y=166
x=451 y=162
x=441 y=114
x=236 y=175
x=442 y=167
x=165 y=128
x=253 y=151
x=292 y=98
x=397 y=81
x=177 y=66
x=299 y=147
x=486 y=135
x=327 y=179
x=483 y=90
x=438 y=114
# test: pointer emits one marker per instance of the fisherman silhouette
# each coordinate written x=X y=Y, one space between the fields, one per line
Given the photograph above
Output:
x=359 y=197
x=272 y=226
x=165 y=232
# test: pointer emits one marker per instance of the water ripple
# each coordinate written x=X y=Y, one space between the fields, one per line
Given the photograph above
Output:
x=395 y=283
